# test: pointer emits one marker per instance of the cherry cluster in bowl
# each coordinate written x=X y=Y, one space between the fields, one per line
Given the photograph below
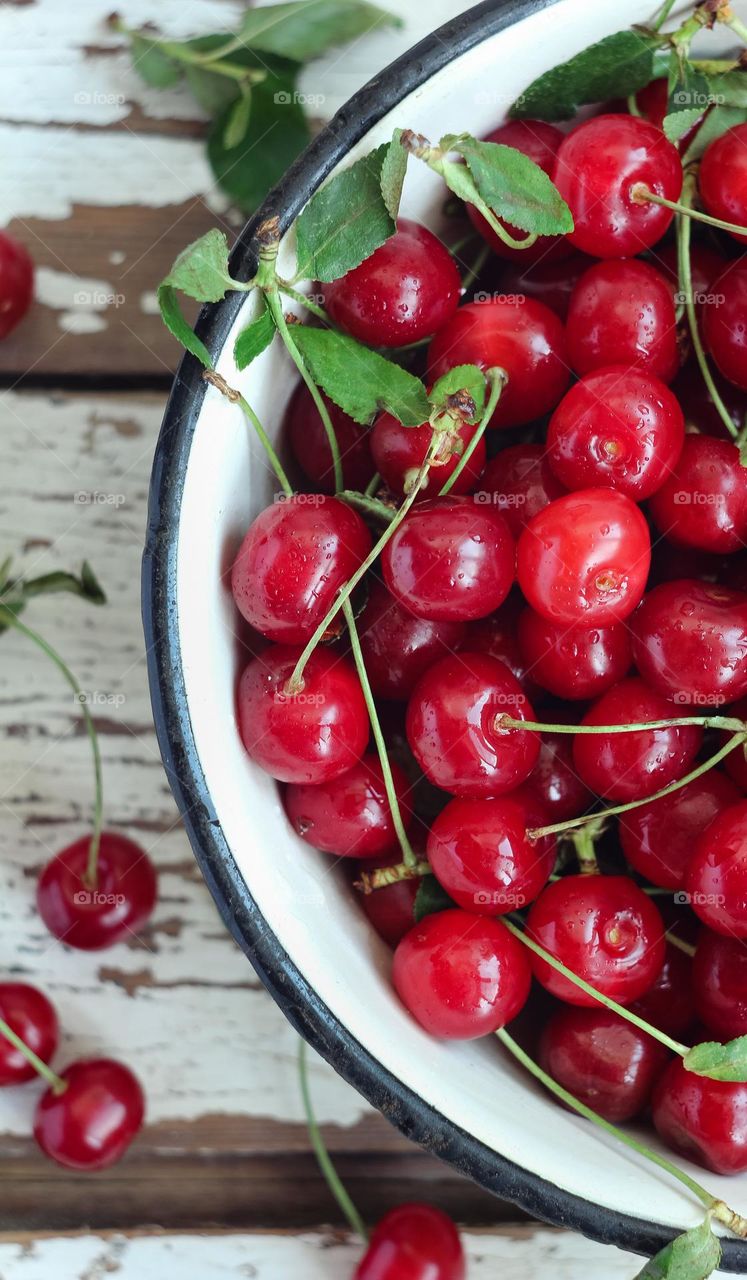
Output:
x=587 y=569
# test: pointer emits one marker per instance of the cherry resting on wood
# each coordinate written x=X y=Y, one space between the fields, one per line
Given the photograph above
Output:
x=119 y=904
x=91 y=1124
x=413 y=1242
x=32 y=1016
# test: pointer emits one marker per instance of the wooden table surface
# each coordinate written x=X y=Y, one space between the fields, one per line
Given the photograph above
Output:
x=105 y=180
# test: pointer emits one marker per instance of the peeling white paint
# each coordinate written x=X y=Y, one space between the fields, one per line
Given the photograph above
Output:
x=80 y=300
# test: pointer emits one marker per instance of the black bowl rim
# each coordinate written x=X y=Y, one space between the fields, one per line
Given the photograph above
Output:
x=415 y=1118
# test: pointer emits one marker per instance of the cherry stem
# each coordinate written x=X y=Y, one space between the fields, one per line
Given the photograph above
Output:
x=295 y=684
x=680 y=944
x=730 y=19
x=472 y=273
x=372 y=485
x=497 y=379
x=607 y=1001
x=303 y=300
x=9 y=618
x=641 y=194
x=583 y=842
x=324 y=1160
x=369 y=506
x=684 y=270
x=384 y=876
x=408 y=854
x=558 y=827
x=41 y=1068
x=719 y=1209
x=235 y=397
x=663 y=14
x=707 y=722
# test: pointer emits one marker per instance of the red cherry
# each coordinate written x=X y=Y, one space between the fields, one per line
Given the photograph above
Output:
x=703 y=504
x=598 y=168
x=585 y=558
x=622 y=313
x=389 y=910
x=722 y=179
x=554 y=781
x=16 y=282
x=398 y=647
x=520 y=483
x=720 y=984
x=405 y=291
x=310 y=447
x=602 y=1060
x=690 y=642
x=310 y=736
x=451 y=727
x=119 y=905
x=725 y=323
x=399 y=452
x=628 y=766
x=516 y=334
x=480 y=852
x=605 y=930
x=617 y=427
x=540 y=142
x=548 y=281
x=32 y=1016
x=705 y=1120
x=658 y=838
x=574 y=662
x=350 y=815
x=700 y=411
x=668 y=1004
x=497 y=636
x=293 y=561
x=450 y=560
x=413 y=1242
x=653 y=104
x=460 y=975
x=91 y=1124
x=716 y=876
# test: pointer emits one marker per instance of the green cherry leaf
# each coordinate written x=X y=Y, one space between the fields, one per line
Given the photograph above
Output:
x=729 y=89
x=677 y=123
x=307 y=28
x=694 y=1255
x=719 y=1061
x=237 y=121
x=277 y=133
x=717 y=122
x=688 y=87
x=152 y=64
x=393 y=170
x=344 y=222
x=253 y=340
x=612 y=68
x=515 y=188
x=201 y=270
x=359 y=380
x=173 y=317
x=463 y=377
x=430 y=898
x=85 y=585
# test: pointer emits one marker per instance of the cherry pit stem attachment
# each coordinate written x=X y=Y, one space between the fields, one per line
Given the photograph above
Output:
x=497 y=379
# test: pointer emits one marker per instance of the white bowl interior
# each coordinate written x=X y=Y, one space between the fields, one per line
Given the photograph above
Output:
x=305 y=902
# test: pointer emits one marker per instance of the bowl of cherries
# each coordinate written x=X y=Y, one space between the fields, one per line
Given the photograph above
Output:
x=445 y=595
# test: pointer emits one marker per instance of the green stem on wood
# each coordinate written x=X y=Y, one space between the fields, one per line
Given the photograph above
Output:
x=331 y=1176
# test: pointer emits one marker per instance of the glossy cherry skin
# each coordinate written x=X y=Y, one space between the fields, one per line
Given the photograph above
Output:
x=461 y=975
x=520 y=483
x=598 y=167
x=716 y=875
x=399 y=452
x=584 y=560
x=602 y=1060
x=658 y=838
x=703 y=504
x=292 y=562
x=621 y=312
x=16 y=282
x=523 y=337
x=123 y=899
x=603 y=928
x=450 y=560
x=628 y=766
x=725 y=323
x=574 y=663
x=310 y=446
x=668 y=1004
x=498 y=636
x=91 y=1124
x=540 y=142
x=405 y=291
x=705 y=1120
x=413 y=1242
x=32 y=1016
x=390 y=910
x=451 y=727
x=720 y=984
x=617 y=427
x=722 y=178
x=554 y=780
x=350 y=815
x=311 y=736
x=398 y=647
x=690 y=642
x=480 y=853
x=548 y=281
